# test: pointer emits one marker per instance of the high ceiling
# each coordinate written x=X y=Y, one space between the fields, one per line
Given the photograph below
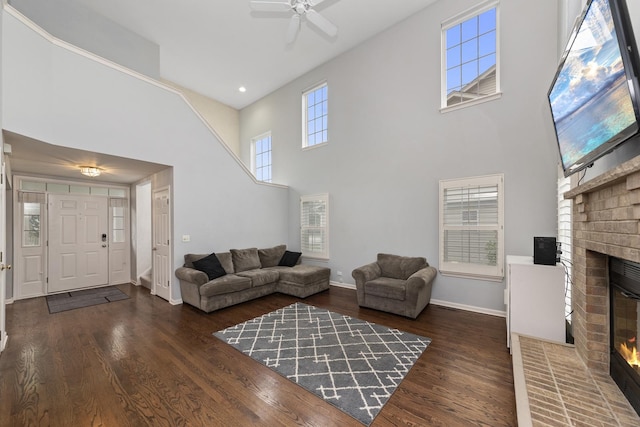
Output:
x=215 y=46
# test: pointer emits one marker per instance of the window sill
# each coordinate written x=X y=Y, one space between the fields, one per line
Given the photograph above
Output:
x=472 y=276
x=466 y=104
x=311 y=147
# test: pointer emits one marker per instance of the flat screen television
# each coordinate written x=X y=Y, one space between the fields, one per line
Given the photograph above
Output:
x=593 y=97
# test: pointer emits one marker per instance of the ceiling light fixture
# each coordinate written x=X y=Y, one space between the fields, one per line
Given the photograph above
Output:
x=91 y=171
x=242 y=89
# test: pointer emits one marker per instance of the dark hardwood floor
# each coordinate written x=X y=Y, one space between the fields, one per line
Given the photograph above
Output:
x=143 y=362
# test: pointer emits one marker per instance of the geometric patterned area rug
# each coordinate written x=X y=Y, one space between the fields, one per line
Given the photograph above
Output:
x=84 y=298
x=353 y=364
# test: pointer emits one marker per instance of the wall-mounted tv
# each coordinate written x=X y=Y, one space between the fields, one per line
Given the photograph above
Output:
x=593 y=96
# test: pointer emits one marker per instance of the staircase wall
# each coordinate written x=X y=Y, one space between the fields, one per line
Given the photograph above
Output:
x=65 y=96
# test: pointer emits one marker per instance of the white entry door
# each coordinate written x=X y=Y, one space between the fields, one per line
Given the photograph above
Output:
x=161 y=244
x=78 y=242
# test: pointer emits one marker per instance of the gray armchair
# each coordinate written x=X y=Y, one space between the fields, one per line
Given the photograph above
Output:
x=395 y=284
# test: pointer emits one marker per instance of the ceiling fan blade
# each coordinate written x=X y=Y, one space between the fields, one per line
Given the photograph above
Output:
x=315 y=2
x=270 y=6
x=321 y=22
x=294 y=27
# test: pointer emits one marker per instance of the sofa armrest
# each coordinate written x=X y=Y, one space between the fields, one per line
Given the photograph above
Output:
x=192 y=275
x=365 y=273
x=420 y=279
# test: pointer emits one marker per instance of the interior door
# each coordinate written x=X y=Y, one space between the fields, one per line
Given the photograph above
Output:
x=78 y=242
x=161 y=244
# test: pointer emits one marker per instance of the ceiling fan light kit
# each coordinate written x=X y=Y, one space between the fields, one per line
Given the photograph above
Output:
x=301 y=9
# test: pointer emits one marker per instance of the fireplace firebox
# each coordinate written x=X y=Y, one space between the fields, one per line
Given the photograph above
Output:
x=624 y=280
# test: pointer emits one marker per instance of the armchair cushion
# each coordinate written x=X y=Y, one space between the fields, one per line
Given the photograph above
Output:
x=386 y=287
x=400 y=267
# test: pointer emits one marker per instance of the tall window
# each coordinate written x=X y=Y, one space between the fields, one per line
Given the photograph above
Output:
x=31 y=224
x=31 y=204
x=472 y=227
x=261 y=147
x=470 y=55
x=314 y=226
x=118 y=229
x=314 y=112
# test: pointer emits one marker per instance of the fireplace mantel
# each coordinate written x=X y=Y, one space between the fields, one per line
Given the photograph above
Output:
x=617 y=174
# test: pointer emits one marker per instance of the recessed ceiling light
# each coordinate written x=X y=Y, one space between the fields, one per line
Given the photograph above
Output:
x=242 y=89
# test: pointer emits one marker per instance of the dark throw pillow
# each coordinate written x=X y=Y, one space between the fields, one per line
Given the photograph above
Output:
x=211 y=266
x=289 y=259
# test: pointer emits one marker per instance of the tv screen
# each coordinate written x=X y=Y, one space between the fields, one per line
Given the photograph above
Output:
x=593 y=95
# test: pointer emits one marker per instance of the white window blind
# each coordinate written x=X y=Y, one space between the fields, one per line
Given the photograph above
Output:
x=472 y=227
x=314 y=226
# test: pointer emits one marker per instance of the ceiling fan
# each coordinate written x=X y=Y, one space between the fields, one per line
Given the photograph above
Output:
x=300 y=9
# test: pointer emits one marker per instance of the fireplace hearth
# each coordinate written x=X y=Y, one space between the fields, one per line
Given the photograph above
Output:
x=624 y=282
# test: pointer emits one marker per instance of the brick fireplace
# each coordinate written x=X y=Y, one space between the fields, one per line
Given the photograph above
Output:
x=606 y=222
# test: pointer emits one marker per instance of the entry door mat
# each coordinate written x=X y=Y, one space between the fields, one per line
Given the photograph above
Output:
x=353 y=364
x=84 y=298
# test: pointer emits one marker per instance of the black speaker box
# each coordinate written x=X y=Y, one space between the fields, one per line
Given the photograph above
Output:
x=544 y=250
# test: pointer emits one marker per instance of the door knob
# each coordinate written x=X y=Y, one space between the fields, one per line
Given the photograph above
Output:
x=5 y=267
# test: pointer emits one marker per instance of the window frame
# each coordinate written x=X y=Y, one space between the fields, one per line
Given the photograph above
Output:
x=254 y=165
x=457 y=20
x=473 y=270
x=324 y=229
x=305 y=118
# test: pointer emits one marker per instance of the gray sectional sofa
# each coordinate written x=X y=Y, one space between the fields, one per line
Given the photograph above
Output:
x=245 y=274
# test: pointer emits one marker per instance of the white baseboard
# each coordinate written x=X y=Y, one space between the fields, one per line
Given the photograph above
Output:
x=343 y=285
x=465 y=307
x=175 y=301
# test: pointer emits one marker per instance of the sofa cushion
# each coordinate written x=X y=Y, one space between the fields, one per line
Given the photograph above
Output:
x=224 y=285
x=260 y=277
x=289 y=259
x=210 y=265
x=303 y=274
x=223 y=257
x=189 y=258
x=271 y=256
x=245 y=259
x=386 y=287
x=400 y=267
x=226 y=261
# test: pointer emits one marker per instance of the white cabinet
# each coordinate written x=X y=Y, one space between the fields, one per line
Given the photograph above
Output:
x=535 y=299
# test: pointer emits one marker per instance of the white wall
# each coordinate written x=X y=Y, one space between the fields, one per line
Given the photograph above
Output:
x=389 y=145
x=71 y=21
x=61 y=97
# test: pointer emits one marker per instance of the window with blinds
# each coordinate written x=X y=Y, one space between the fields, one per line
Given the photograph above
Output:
x=314 y=226
x=472 y=227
